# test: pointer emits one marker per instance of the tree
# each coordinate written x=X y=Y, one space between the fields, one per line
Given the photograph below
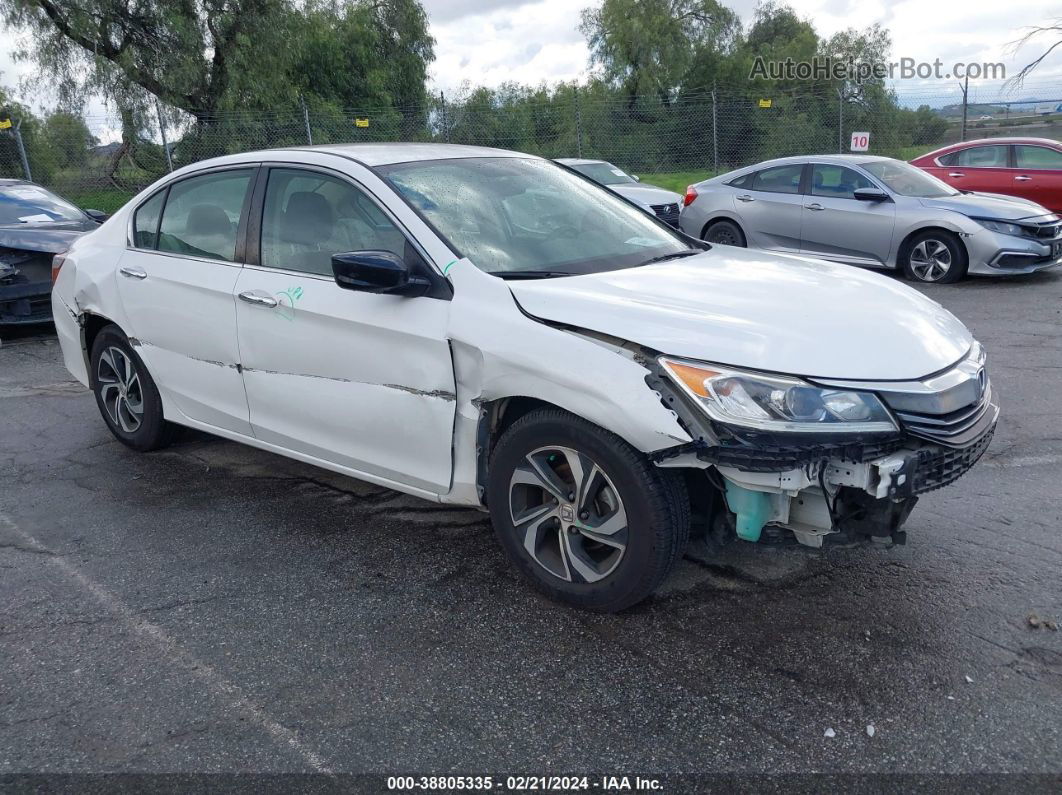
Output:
x=69 y=138
x=647 y=47
x=206 y=56
x=1051 y=30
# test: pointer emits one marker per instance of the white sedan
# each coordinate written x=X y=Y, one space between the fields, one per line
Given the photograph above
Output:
x=485 y=328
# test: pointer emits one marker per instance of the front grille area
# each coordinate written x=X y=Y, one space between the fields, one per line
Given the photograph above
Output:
x=1046 y=231
x=957 y=428
x=668 y=213
x=937 y=468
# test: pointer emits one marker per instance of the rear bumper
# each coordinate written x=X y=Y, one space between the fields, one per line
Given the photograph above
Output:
x=28 y=302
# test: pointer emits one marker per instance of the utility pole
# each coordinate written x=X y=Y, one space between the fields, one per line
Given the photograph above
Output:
x=162 y=130
x=22 y=151
x=965 y=86
x=306 y=119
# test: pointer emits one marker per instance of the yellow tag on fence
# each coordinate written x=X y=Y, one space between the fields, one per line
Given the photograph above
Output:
x=5 y=124
x=361 y=122
x=765 y=103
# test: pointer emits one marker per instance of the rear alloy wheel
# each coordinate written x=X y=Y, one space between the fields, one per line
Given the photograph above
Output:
x=583 y=515
x=726 y=233
x=934 y=257
x=125 y=393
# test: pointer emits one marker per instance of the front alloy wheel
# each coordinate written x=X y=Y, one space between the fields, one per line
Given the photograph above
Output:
x=583 y=515
x=935 y=257
x=569 y=515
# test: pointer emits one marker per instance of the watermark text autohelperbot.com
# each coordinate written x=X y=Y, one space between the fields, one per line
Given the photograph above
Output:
x=824 y=68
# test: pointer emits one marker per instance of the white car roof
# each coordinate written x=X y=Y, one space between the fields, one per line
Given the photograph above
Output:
x=377 y=154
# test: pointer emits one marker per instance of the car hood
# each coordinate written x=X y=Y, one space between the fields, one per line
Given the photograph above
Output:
x=647 y=195
x=779 y=313
x=985 y=205
x=50 y=238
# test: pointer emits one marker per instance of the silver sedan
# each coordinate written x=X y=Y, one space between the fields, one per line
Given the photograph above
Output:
x=876 y=212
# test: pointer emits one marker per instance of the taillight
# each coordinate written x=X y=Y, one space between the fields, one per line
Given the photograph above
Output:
x=57 y=263
x=691 y=194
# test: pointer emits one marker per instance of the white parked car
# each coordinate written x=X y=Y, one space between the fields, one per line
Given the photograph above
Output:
x=485 y=328
x=661 y=202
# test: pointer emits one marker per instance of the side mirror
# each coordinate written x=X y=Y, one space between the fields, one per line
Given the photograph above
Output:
x=377 y=272
x=96 y=215
x=636 y=178
x=870 y=195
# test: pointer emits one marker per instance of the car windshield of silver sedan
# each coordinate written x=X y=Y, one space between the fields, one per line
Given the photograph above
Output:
x=27 y=204
x=907 y=180
x=529 y=218
x=605 y=174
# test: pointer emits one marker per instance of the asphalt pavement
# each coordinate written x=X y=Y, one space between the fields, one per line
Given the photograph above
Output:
x=213 y=608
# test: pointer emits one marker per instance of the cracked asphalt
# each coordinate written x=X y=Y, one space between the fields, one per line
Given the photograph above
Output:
x=213 y=608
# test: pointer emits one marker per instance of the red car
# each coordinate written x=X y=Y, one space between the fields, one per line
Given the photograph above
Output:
x=1027 y=167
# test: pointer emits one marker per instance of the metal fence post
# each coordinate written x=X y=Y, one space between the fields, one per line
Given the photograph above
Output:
x=840 y=121
x=306 y=120
x=965 y=86
x=442 y=116
x=578 y=124
x=162 y=131
x=22 y=151
x=715 y=133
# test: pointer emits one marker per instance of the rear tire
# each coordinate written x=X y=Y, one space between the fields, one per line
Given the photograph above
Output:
x=585 y=517
x=725 y=233
x=126 y=394
x=934 y=257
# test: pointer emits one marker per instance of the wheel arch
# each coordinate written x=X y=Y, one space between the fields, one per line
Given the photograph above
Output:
x=904 y=245
x=92 y=324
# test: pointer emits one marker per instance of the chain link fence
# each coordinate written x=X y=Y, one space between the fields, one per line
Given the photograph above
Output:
x=667 y=142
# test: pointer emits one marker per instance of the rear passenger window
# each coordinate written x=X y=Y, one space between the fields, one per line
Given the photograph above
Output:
x=146 y=221
x=203 y=213
x=309 y=216
x=779 y=179
x=744 y=181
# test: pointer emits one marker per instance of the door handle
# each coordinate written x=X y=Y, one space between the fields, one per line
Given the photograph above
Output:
x=1022 y=178
x=815 y=206
x=253 y=297
x=956 y=174
x=745 y=199
x=133 y=273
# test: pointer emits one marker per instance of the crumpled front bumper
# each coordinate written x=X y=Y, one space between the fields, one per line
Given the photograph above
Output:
x=25 y=302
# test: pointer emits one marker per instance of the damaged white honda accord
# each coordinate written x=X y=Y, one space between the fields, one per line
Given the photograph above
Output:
x=485 y=328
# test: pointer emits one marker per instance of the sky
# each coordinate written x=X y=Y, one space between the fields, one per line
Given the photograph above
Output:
x=537 y=41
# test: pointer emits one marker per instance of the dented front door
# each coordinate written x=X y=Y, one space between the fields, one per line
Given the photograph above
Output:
x=360 y=380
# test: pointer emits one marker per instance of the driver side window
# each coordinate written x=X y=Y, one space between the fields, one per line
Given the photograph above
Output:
x=309 y=216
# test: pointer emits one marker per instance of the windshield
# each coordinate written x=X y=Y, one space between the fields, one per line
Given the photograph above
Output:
x=26 y=204
x=605 y=173
x=908 y=180
x=510 y=215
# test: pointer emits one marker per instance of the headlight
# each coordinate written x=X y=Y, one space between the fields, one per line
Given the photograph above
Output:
x=775 y=403
x=1003 y=227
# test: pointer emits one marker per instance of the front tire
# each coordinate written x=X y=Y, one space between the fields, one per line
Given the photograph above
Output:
x=126 y=394
x=934 y=257
x=582 y=514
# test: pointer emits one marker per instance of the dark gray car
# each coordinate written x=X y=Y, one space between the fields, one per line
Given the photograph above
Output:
x=875 y=212
x=35 y=225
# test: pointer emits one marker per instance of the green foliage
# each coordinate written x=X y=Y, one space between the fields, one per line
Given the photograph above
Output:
x=69 y=138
